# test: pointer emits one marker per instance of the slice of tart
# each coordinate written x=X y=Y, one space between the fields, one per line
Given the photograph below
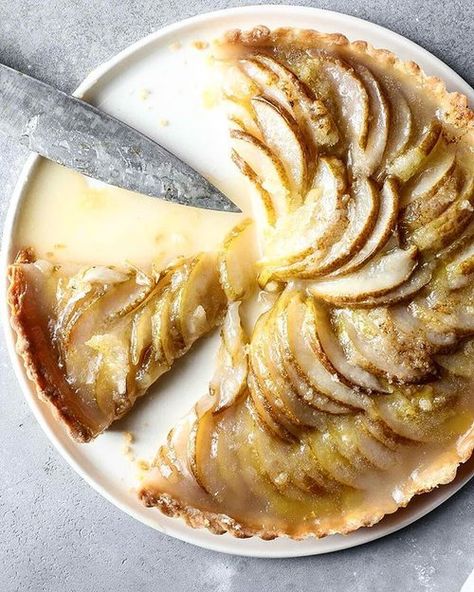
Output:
x=95 y=338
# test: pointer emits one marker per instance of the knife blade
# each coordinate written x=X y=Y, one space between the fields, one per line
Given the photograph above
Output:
x=81 y=137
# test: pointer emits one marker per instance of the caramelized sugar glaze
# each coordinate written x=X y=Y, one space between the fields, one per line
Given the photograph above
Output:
x=354 y=390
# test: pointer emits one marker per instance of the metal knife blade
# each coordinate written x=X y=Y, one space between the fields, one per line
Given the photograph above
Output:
x=80 y=136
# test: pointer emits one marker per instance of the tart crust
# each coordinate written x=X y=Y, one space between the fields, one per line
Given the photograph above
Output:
x=454 y=105
x=34 y=347
x=439 y=474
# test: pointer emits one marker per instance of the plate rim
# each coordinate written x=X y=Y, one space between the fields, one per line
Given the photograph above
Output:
x=94 y=77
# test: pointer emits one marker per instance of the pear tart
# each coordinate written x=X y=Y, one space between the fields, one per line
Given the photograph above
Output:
x=353 y=392
x=94 y=338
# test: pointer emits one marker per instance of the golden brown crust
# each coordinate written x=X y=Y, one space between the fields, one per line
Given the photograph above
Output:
x=441 y=474
x=33 y=344
x=454 y=105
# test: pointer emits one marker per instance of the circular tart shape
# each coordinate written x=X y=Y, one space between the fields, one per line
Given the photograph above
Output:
x=348 y=409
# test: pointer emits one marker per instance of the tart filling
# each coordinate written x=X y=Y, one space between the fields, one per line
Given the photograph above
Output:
x=356 y=393
x=94 y=339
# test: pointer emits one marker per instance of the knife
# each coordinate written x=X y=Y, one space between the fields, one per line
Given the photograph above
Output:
x=81 y=137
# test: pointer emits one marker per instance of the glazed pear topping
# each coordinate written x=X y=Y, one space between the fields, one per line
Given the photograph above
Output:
x=350 y=380
x=114 y=332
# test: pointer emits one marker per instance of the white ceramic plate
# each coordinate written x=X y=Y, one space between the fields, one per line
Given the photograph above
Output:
x=115 y=86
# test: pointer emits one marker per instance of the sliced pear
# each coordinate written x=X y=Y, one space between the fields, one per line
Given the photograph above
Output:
x=238 y=463
x=460 y=363
x=276 y=461
x=237 y=85
x=316 y=224
x=373 y=342
x=95 y=306
x=236 y=262
x=201 y=299
x=266 y=213
x=345 y=442
x=161 y=328
x=359 y=446
x=437 y=168
x=351 y=374
x=267 y=377
x=459 y=271
x=229 y=381
x=362 y=214
x=408 y=163
x=178 y=282
x=270 y=419
x=332 y=461
x=352 y=99
x=307 y=351
x=330 y=179
x=381 y=432
x=273 y=378
x=425 y=209
x=268 y=168
x=258 y=72
x=383 y=229
x=443 y=230
x=267 y=81
x=187 y=454
x=365 y=162
x=310 y=111
x=408 y=325
x=417 y=281
x=146 y=352
x=308 y=413
x=401 y=126
x=282 y=135
x=277 y=471
x=376 y=452
x=311 y=413
x=200 y=440
x=451 y=252
x=306 y=390
x=421 y=416
x=447 y=315
x=381 y=275
x=312 y=227
x=241 y=116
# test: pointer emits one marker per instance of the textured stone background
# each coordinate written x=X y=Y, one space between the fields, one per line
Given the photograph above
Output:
x=56 y=533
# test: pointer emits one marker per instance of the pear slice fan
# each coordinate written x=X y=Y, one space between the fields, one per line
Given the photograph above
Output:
x=353 y=390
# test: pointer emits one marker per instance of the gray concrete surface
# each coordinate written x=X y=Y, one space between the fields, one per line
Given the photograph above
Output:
x=56 y=533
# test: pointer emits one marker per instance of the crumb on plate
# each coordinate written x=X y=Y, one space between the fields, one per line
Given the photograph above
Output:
x=200 y=44
x=127 y=445
x=210 y=97
x=144 y=94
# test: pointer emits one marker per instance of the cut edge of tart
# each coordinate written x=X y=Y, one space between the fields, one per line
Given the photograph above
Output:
x=94 y=338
